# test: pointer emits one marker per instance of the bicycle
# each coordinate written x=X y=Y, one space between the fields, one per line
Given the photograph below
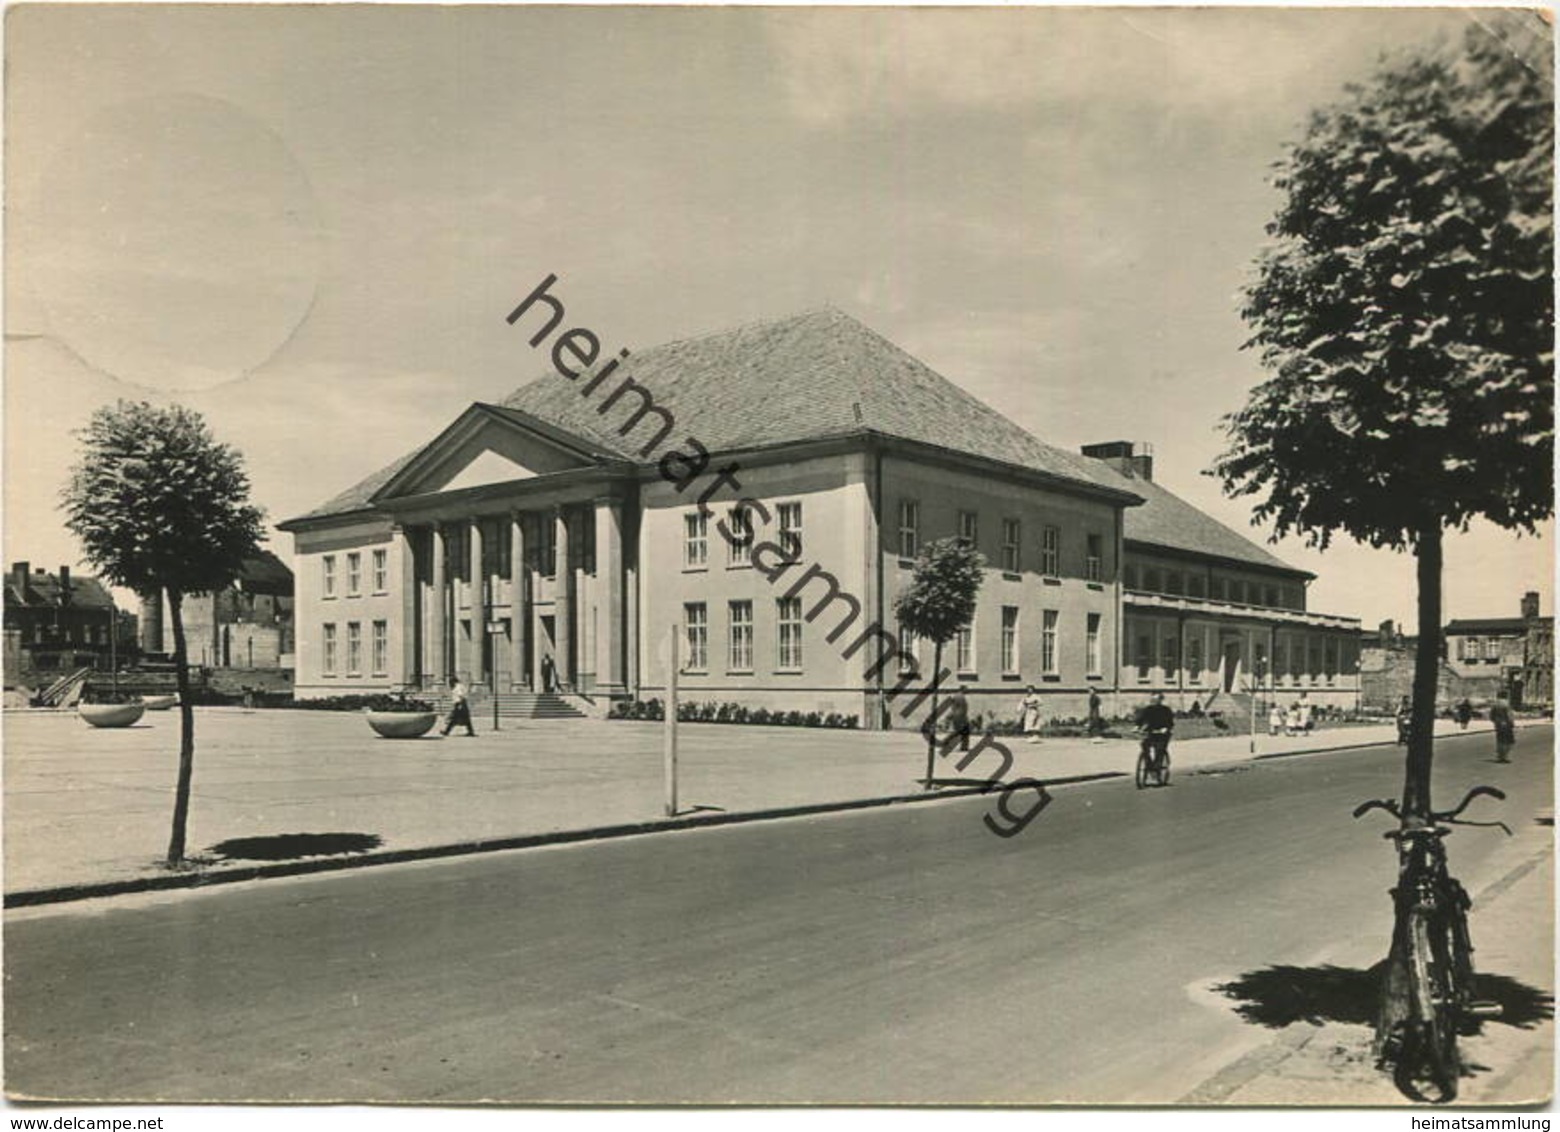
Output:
x=1151 y=769
x=1430 y=929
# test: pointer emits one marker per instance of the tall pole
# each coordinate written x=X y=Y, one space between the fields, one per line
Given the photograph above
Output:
x=669 y=751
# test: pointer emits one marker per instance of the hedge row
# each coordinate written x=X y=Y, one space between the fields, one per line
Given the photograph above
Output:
x=688 y=712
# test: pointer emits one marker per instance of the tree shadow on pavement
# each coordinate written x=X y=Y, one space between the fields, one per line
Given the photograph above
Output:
x=289 y=846
x=1280 y=996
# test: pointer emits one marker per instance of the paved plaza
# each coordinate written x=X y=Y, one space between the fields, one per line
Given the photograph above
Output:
x=88 y=807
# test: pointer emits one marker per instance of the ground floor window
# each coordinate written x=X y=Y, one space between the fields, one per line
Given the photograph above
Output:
x=788 y=617
x=964 y=648
x=909 y=651
x=739 y=642
x=1194 y=657
x=354 y=648
x=1010 y=638
x=1048 y=659
x=696 y=629
x=1170 y=655
x=381 y=646
x=1145 y=656
x=1092 y=644
x=328 y=650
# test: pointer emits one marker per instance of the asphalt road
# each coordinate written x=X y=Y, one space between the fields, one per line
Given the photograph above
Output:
x=902 y=955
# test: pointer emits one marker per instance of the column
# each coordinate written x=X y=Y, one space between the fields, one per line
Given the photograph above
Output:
x=477 y=600
x=563 y=601
x=519 y=601
x=404 y=564
x=437 y=658
x=609 y=597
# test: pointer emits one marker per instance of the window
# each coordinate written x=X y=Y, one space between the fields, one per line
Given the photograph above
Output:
x=1145 y=656
x=1010 y=638
x=696 y=630
x=1151 y=581
x=964 y=648
x=1330 y=659
x=1011 y=555
x=1173 y=582
x=328 y=650
x=354 y=574
x=354 y=648
x=909 y=651
x=1194 y=657
x=739 y=547
x=788 y=615
x=739 y=638
x=1050 y=551
x=696 y=539
x=381 y=571
x=909 y=528
x=1094 y=560
x=1197 y=586
x=1170 y=654
x=1314 y=658
x=381 y=648
x=969 y=528
x=328 y=575
x=1092 y=644
x=791 y=529
x=1049 y=618
x=1269 y=595
x=1129 y=576
x=1260 y=661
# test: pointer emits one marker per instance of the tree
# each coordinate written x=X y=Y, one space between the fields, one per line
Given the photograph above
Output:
x=1404 y=311
x=161 y=507
x=939 y=601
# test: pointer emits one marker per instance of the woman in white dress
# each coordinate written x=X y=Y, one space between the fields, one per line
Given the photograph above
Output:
x=1029 y=709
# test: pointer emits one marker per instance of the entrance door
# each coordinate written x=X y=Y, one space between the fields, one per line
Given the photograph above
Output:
x=1231 y=664
x=546 y=675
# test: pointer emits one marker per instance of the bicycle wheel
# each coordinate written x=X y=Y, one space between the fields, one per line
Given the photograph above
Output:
x=1459 y=950
x=1427 y=1067
x=1142 y=769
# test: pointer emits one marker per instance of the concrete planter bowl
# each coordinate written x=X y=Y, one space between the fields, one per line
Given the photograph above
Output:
x=402 y=724
x=159 y=703
x=111 y=715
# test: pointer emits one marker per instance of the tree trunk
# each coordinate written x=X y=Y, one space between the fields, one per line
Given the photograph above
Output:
x=181 y=797
x=1396 y=992
x=931 y=720
x=1427 y=671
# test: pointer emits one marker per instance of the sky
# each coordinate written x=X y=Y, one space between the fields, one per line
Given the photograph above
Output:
x=308 y=223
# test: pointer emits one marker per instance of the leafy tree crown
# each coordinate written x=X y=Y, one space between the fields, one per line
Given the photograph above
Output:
x=940 y=599
x=158 y=502
x=1404 y=309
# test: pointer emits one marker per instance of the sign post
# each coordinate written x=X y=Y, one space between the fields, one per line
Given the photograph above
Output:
x=669 y=750
x=495 y=629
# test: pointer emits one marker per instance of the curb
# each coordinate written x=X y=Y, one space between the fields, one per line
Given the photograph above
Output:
x=65 y=893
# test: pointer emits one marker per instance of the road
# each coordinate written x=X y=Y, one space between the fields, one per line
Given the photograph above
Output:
x=901 y=955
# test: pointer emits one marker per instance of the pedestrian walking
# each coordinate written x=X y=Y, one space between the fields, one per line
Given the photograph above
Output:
x=460 y=708
x=1464 y=713
x=549 y=673
x=959 y=718
x=1029 y=711
x=1505 y=730
x=1096 y=720
x=1303 y=707
x=1276 y=721
x=1405 y=720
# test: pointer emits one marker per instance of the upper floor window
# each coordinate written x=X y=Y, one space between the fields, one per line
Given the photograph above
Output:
x=1173 y=582
x=1197 y=586
x=354 y=574
x=1050 y=551
x=739 y=546
x=964 y=648
x=1012 y=555
x=909 y=528
x=381 y=568
x=791 y=529
x=1151 y=581
x=328 y=575
x=696 y=538
x=1129 y=576
x=1094 y=559
x=969 y=528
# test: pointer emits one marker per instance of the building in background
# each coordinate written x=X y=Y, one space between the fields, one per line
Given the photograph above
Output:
x=248 y=625
x=57 y=623
x=1506 y=656
x=556 y=540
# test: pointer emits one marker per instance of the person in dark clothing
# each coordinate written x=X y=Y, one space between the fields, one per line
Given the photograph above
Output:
x=1156 y=722
x=1096 y=721
x=959 y=718
x=1464 y=713
x=1505 y=730
x=460 y=708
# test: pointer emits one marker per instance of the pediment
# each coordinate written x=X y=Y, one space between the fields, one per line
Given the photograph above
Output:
x=483 y=447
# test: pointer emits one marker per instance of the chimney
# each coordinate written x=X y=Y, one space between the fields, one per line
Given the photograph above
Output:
x=1530 y=605
x=1132 y=458
x=1388 y=638
x=19 y=573
x=64 y=585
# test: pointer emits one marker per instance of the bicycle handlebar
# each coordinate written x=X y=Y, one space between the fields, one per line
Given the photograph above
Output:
x=1447 y=816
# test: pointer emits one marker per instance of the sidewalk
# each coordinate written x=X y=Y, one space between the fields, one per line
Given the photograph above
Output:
x=88 y=811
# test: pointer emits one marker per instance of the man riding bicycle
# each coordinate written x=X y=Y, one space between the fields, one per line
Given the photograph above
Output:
x=1156 y=722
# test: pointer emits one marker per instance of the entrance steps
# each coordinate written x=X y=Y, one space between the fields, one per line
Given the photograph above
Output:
x=518 y=705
